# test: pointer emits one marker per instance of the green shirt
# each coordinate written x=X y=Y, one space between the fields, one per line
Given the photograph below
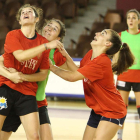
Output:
x=40 y=94
x=134 y=43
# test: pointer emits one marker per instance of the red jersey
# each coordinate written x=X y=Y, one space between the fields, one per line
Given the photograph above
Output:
x=59 y=61
x=100 y=92
x=15 y=40
x=42 y=103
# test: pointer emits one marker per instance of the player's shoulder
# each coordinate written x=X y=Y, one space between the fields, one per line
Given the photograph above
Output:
x=40 y=37
x=103 y=59
x=88 y=54
x=14 y=32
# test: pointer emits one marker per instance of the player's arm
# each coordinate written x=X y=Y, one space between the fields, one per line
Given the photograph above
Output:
x=14 y=76
x=23 y=55
x=69 y=64
x=71 y=76
x=3 y=71
x=39 y=76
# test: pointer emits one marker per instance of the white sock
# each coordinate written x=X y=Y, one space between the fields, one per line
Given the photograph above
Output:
x=120 y=133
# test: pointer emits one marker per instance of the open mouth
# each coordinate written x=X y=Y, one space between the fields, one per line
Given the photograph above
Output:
x=26 y=17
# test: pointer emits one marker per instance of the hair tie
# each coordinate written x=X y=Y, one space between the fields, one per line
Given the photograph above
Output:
x=121 y=46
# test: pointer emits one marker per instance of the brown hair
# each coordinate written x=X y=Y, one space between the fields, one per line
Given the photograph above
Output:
x=125 y=57
x=38 y=13
x=62 y=27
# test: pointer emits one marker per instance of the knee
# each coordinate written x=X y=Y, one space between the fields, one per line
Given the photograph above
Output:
x=34 y=136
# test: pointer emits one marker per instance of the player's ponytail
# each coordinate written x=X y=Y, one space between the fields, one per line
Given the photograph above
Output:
x=125 y=58
x=124 y=61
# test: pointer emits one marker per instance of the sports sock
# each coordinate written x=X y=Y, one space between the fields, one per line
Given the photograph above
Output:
x=138 y=109
x=120 y=133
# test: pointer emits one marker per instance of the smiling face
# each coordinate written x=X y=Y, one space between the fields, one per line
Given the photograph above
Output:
x=28 y=17
x=132 y=20
x=101 y=38
x=51 y=31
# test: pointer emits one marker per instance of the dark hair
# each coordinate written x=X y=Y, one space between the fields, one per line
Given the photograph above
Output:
x=125 y=57
x=134 y=11
x=38 y=13
x=62 y=28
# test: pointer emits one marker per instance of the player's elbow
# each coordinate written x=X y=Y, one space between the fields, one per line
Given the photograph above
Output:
x=43 y=78
x=44 y=75
x=71 y=78
x=20 y=58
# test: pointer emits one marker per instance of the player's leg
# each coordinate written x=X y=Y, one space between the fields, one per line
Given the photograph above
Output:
x=45 y=127
x=46 y=132
x=107 y=128
x=136 y=89
x=89 y=133
x=26 y=108
x=2 y=118
x=124 y=89
x=31 y=125
x=137 y=96
x=138 y=109
x=5 y=135
x=125 y=96
x=92 y=124
x=11 y=124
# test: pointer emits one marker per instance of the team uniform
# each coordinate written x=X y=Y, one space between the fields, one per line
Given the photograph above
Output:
x=57 y=59
x=129 y=79
x=21 y=96
x=12 y=121
x=100 y=92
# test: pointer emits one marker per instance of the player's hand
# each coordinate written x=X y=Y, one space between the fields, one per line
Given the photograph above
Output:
x=63 y=52
x=54 y=44
x=15 y=77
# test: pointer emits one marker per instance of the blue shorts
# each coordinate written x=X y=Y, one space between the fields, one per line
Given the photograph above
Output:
x=94 y=120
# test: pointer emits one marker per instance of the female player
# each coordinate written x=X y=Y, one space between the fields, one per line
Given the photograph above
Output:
x=52 y=29
x=108 y=109
x=27 y=49
x=130 y=79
